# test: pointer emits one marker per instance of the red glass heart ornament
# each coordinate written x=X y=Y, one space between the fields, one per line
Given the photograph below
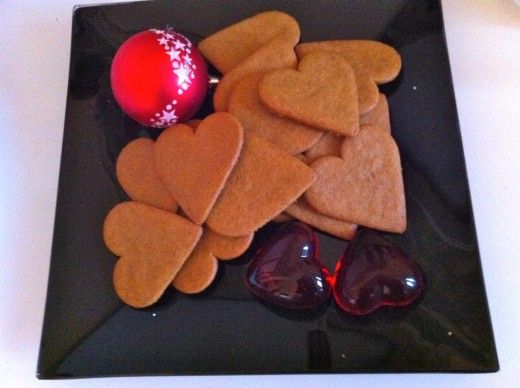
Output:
x=286 y=270
x=374 y=272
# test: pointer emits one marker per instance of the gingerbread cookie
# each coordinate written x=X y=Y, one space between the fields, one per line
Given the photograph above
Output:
x=303 y=158
x=152 y=244
x=200 y=268
x=136 y=173
x=373 y=63
x=229 y=47
x=195 y=165
x=264 y=182
x=365 y=185
x=321 y=93
x=282 y=217
x=305 y=213
x=225 y=247
x=194 y=123
x=198 y=272
x=378 y=116
x=274 y=55
x=289 y=135
x=328 y=145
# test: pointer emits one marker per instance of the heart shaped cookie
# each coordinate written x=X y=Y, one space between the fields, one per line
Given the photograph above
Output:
x=378 y=116
x=200 y=268
x=305 y=213
x=227 y=248
x=264 y=182
x=195 y=165
x=373 y=63
x=274 y=55
x=198 y=272
x=152 y=245
x=328 y=145
x=194 y=123
x=321 y=93
x=289 y=135
x=229 y=47
x=365 y=185
x=136 y=173
x=282 y=218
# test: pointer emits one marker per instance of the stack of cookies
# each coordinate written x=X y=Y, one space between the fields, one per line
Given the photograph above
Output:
x=300 y=131
x=320 y=102
x=198 y=195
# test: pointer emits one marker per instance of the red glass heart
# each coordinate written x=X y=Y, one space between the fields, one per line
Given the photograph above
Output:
x=372 y=273
x=287 y=272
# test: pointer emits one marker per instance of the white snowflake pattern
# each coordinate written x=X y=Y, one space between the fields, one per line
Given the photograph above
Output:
x=187 y=59
x=174 y=54
x=166 y=117
x=179 y=44
x=163 y=41
x=178 y=49
x=183 y=74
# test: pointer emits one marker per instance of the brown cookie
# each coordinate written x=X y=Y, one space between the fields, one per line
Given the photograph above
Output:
x=200 y=268
x=152 y=244
x=227 y=248
x=365 y=185
x=305 y=213
x=373 y=63
x=264 y=182
x=274 y=55
x=289 y=135
x=328 y=145
x=378 y=116
x=321 y=93
x=137 y=175
x=198 y=272
x=229 y=47
x=194 y=123
x=195 y=165
x=282 y=217
x=303 y=158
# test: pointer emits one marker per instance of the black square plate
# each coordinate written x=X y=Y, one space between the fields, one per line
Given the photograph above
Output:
x=88 y=332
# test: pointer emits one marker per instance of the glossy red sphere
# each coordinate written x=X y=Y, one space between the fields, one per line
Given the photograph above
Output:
x=159 y=78
x=373 y=273
x=287 y=272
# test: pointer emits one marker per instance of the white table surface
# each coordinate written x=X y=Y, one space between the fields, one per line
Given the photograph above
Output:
x=484 y=47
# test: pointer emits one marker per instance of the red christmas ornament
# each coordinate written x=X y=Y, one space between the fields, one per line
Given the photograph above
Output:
x=159 y=78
